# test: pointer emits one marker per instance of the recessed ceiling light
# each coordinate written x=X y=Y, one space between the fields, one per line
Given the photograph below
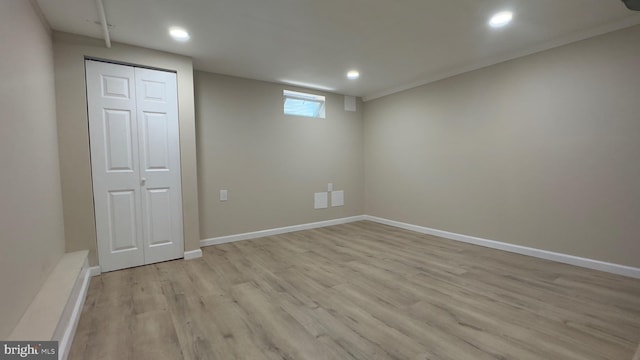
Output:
x=353 y=74
x=501 y=19
x=179 y=34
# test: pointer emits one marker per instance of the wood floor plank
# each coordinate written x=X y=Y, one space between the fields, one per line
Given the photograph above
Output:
x=359 y=291
x=504 y=318
x=242 y=337
x=286 y=334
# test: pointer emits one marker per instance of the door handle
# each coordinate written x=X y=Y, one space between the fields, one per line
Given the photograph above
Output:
x=143 y=181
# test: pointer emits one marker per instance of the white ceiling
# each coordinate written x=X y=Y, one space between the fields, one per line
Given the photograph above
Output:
x=395 y=44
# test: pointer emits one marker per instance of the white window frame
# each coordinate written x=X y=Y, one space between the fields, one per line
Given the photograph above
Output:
x=319 y=99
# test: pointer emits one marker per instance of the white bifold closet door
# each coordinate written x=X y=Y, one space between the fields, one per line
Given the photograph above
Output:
x=135 y=163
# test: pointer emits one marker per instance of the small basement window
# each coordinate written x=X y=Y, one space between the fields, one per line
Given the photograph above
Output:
x=303 y=104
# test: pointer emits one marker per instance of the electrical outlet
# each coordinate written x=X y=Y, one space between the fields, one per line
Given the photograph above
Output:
x=330 y=187
x=223 y=195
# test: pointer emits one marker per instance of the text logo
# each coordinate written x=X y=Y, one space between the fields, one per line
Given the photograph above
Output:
x=32 y=350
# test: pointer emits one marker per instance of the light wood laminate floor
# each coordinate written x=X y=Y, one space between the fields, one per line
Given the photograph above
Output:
x=359 y=291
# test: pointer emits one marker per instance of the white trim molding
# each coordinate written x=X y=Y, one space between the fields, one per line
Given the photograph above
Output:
x=276 y=231
x=193 y=254
x=95 y=271
x=73 y=311
x=518 y=249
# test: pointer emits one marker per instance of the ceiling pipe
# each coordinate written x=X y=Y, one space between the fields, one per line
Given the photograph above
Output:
x=103 y=22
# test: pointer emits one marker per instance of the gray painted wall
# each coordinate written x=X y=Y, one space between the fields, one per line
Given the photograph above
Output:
x=31 y=223
x=271 y=163
x=542 y=151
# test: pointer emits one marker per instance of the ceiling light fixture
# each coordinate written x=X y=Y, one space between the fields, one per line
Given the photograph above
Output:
x=501 y=19
x=353 y=74
x=179 y=34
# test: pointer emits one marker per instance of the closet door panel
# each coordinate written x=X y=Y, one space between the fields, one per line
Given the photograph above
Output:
x=113 y=133
x=157 y=110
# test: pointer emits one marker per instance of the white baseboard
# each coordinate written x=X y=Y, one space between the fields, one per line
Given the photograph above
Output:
x=276 y=231
x=193 y=254
x=518 y=249
x=75 y=306
x=95 y=271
